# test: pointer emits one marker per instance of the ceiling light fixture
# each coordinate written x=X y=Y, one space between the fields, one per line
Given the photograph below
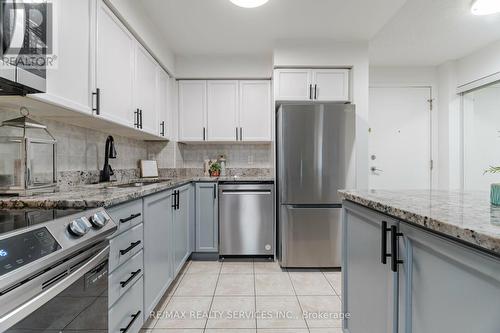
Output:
x=249 y=3
x=485 y=7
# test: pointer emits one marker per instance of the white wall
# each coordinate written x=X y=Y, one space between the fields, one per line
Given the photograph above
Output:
x=328 y=53
x=132 y=13
x=403 y=76
x=224 y=67
x=479 y=64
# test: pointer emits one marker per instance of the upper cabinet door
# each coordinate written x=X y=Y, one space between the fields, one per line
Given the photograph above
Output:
x=74 y=48
x=222 y=110
x=114 y=68
x=145 y=89
x=162 y=108
x=192 y=110
x=255 y=110
x=293 y=84
x=331 y=85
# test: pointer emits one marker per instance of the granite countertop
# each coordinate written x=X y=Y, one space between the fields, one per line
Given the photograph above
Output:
x=467 y=216
x=105 y=194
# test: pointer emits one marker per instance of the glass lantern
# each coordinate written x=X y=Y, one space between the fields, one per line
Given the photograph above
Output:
x=28 y=163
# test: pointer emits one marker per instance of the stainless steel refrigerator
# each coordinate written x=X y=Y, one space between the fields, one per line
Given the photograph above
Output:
x=315 y=158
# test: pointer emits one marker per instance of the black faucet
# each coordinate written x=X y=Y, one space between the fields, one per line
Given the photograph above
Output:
x=110 y=152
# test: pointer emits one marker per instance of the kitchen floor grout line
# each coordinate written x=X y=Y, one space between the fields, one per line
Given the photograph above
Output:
x=298 y=301
x=255 y=294
x=331 y=285
x=213 y=296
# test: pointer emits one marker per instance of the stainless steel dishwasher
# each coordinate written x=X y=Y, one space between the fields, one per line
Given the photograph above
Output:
x=246 y=218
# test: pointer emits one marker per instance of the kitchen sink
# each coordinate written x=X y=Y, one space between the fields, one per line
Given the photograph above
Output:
x=137 y=184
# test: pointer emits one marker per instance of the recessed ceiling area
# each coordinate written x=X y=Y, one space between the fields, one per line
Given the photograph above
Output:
x=400 y=32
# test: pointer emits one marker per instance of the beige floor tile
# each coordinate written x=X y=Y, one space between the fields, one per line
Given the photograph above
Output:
x=197 y=285
x=230 y=330
x=284 y=330
x=326 y=330
x=204 y=267
x=175 y=330
x=235 y=285
x=279 y=312
x=231 y=267
x=183 y=312
x=263 y=267
x=321 y=311
x=273 y=285
x=232 y=312
x=335 y=279
x=311 y=283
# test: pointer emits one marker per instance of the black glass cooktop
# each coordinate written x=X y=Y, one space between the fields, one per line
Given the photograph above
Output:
x=14 y=219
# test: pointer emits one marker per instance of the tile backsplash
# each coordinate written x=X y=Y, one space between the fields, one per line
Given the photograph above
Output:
x=80 y=153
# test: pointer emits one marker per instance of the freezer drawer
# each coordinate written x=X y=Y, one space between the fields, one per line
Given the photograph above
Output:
x=246 y=219
x=310 y=237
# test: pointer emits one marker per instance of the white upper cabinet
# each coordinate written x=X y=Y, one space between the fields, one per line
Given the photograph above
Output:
x=327 y=85
x=145 y=90
x=255 y=111
x=222 y=110
x=292 y=84
x=69 y=80
x=114 y=67
x=192 y=110
x=331 y=84
x=162 y=107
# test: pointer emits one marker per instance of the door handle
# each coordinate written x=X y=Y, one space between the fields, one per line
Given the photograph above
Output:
x=395 y=261
x=374 y=169
x=383 y=244
x=315 y=91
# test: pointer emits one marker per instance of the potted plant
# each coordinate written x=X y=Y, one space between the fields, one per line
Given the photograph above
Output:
x=215 y=169
x=495 y=187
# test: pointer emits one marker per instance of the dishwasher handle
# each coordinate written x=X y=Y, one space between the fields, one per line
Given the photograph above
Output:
x=244 y=191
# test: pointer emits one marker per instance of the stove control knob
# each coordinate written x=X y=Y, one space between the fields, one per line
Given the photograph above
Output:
x=99 y=220
x=79 y=227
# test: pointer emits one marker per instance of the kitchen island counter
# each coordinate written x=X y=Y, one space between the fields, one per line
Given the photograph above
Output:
x=464 y=216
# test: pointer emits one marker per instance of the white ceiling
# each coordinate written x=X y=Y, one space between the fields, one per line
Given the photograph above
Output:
x=194 y=27
x=430 y=32
x=401 y=32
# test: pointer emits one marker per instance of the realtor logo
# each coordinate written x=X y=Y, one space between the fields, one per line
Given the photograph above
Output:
x=26 y=32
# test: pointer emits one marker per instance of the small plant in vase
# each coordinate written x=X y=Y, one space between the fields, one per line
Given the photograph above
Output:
x=495 y=187
x=215 y=169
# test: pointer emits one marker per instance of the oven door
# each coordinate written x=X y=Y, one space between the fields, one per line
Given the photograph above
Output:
x=72 y=300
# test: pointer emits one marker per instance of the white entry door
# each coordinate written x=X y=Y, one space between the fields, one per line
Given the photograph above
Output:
x=400 y=138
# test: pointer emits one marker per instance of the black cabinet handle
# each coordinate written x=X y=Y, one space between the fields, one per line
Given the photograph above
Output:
x=383 y=244
x=131 y=217
x=97 y=95
x=241 y=133
x=132 y=276
x=178 y=199
x=236 y=133
x=140 y=118
x=215 y=191
x=315 y=91
x=134 y=318
x=136 y=118
x=310 y=91
x=174 y=197
x=394 y=248
x=162 y=124
x=130 y=248
x=204 y=134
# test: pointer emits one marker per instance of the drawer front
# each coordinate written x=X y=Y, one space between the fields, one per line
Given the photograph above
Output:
x=126 y=215
x=128 y=311
x=124 y=277
x=125 y=246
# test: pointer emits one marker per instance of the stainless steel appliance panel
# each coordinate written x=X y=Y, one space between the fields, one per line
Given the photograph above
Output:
x=310 y=236
x=246 y=219
x=315 y=148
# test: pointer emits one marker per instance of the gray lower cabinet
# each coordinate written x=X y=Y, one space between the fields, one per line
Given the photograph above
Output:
x=207 y=231
x=446 y=286
x=369 y=287
x=434 y=284
x=158 y=249
x=181 y=222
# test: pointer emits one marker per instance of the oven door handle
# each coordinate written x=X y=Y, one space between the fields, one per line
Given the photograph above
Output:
x=21 y=312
